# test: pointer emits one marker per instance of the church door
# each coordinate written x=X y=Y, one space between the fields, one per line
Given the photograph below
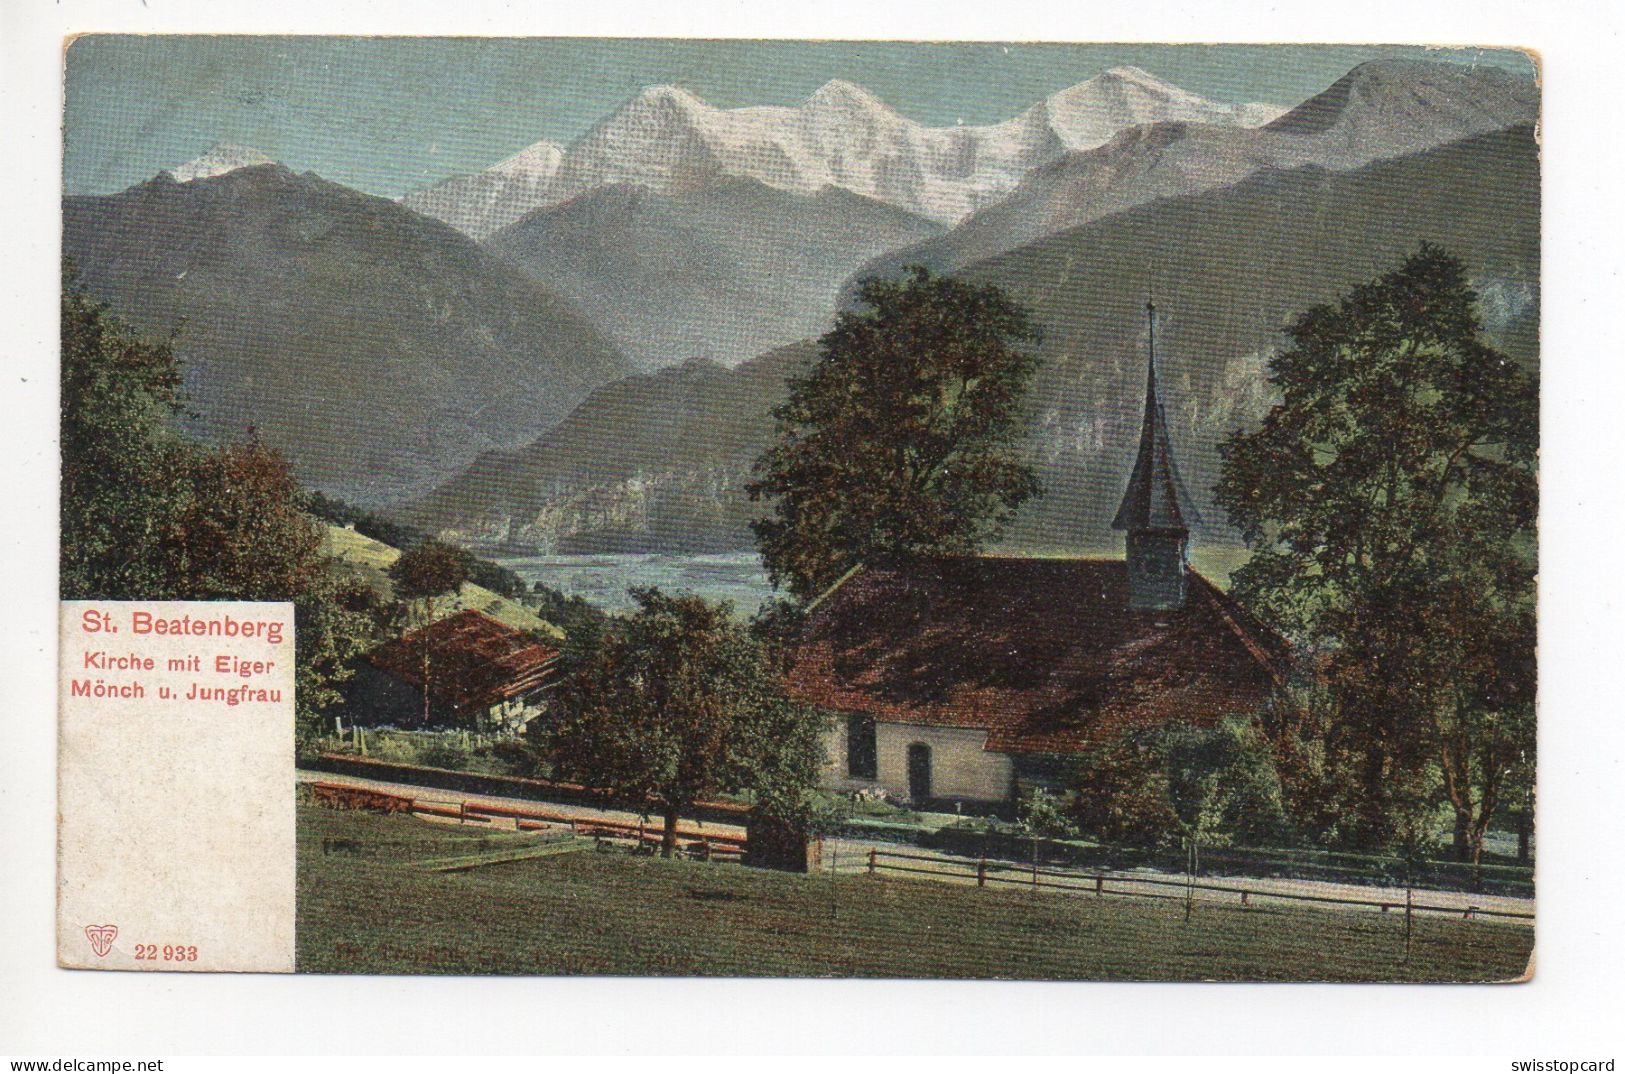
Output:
x=919 y=772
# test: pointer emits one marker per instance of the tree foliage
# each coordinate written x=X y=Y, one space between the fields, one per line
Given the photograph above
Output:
x=427 y=570
x=680 y=703
x=122 y=465
x=1162 y=786
x=1390 y=503
x=149 y=515
x=902 y=438
x=584 y=623
x=1043 y=815
x=424 y=572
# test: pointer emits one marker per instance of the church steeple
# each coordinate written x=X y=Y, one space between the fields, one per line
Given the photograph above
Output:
x=1154 y=508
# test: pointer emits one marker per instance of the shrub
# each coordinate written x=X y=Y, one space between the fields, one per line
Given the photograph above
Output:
x=443 y=754
x=1160 y=787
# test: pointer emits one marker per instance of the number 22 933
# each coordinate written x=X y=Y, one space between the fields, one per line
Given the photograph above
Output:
x=169 y=952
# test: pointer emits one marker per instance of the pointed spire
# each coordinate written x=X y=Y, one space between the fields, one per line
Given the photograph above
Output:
x=1155 y=498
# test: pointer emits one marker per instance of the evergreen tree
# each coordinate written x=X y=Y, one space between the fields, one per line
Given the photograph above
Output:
x=122 y=464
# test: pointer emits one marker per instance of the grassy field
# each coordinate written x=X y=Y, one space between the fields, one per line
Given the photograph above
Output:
x=366 y=905
x=369 y=560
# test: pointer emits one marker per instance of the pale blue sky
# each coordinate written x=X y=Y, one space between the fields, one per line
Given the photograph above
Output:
x=386 y=115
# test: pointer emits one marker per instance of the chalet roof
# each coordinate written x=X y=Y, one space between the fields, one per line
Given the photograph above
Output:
x=474 y=661
x=1043 y=654
x=1155 y=497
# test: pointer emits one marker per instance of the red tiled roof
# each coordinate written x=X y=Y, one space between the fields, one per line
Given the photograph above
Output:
x=1044 y=654
x=474 y=661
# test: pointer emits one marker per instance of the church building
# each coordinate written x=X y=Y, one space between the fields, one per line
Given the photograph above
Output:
x=967 y=679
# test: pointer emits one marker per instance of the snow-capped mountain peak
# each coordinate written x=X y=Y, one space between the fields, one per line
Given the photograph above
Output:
x=219 y=160
x=669 y=140
x=541 y=159
x=1090 y=113
x=1140 y=77
x=838 y=91
x=671 y=97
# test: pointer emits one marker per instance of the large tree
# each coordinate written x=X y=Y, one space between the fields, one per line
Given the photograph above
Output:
x=425 y=572
x=1168 y=785
x=122 y=463
x=902 y=438
x=680 y=703
x=1390 y=503
x=149 y=515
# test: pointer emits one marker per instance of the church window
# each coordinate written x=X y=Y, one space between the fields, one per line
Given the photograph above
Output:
x=861 y=752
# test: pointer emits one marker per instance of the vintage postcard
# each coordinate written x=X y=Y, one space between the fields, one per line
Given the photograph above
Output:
x=799 y=508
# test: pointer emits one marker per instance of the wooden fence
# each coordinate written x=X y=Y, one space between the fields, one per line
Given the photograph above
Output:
x=984 y=872
x=1300 y=863
x=718 y=846
x=540 y=790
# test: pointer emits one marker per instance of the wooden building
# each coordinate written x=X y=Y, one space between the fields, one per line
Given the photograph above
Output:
x=483 y=676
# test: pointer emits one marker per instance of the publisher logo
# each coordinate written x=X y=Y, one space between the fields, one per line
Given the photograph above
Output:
x=101 y=938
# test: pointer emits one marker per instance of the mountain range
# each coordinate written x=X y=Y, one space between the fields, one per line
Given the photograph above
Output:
x=380 y=350
x=658 y=462
x=1379 y=110
x=672 y=142
x=565 y=383
x=724 y=273
x=653 y=462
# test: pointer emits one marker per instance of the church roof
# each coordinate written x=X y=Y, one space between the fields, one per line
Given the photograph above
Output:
x=1155 y=497
x=1042 y=654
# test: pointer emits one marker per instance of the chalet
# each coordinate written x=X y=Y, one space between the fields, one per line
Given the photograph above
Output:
x=483 y=676
x=968 y=679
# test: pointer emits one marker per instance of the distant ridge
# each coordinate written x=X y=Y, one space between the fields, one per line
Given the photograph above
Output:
x=379 y=349
x=725 y=273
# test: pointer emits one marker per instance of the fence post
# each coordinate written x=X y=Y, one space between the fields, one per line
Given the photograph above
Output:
x=981 y=873
x=834 y=870
x=1190 y=877
x=872 y=856
x=1100 y=884
x=1407 y=916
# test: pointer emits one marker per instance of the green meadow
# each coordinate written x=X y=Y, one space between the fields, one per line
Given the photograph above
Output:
x=369 y=904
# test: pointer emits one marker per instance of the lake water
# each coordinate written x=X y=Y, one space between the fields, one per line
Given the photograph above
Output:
x=735 y=576
x=604 y=579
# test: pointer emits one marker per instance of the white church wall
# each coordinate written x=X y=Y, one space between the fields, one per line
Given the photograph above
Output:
x=960 y=767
